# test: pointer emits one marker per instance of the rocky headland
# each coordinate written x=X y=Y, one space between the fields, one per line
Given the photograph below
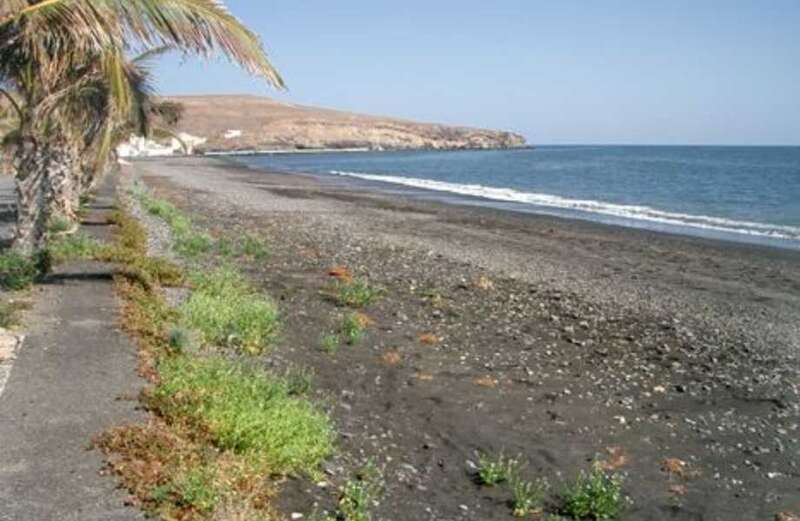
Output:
x=245 y=123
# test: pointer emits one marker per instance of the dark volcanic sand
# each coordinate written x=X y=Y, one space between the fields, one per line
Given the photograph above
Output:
x=586 y=340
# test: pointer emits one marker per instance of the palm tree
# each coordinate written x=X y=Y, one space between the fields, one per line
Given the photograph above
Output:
x=51 y=51
x=103 y=131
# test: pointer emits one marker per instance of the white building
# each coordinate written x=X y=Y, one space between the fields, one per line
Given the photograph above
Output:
x=138 y=146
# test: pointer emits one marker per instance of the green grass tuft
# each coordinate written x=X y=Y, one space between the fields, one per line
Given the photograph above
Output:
x=596 y=495
x=245 y=411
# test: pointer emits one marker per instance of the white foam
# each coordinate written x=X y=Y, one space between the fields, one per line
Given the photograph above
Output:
x=635 y=212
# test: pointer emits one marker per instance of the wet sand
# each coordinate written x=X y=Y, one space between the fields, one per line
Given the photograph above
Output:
x=560 y=340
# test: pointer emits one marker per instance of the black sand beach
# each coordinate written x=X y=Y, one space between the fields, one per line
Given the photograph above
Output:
x=671 y=360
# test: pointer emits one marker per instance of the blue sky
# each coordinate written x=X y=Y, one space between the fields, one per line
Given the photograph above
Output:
x=662 y=72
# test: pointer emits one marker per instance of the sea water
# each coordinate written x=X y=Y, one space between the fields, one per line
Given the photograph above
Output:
x=746 y=194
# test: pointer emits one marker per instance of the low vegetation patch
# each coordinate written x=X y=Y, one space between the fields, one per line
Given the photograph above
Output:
x=245 y=411
x=173 y=475
x=9 y=313
x=354 y=327
x=18 y=272
x=528 y=496
x=253 y=247
x=228 y=312
x=220 y=427
x=188 y=242
x=59 y=224
x=330 y=343
x=131 y=237
x=299 y=380
x=493 y=470
x=595 y=495
x=180 y=339
x=354 y=293
x=357 y=497
x=193 y=244
x=73 y=247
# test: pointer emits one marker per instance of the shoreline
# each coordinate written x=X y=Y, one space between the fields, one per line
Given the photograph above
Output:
x=591 y=252
x=628 y=216
x=432 y=198
x=558 y=340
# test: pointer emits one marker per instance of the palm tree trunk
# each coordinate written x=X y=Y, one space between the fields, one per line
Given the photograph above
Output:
x=63 y=176
x=31 y=163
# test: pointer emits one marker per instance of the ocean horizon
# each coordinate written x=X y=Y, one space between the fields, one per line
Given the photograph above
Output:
x=745 y=194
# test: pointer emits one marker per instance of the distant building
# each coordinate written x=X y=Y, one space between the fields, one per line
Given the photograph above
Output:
x=138 y=146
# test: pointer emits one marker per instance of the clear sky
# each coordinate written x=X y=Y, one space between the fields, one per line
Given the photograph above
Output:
x=613 y=71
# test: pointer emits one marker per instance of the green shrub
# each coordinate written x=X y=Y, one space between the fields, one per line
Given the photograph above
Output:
x=248 y=412
x=18 y=272
x=596 y=495
x=227 y=312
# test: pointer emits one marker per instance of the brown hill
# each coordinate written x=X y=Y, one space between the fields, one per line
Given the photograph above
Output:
x=258 y=123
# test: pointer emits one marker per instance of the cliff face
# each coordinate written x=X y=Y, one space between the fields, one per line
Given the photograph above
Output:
x=233 y=123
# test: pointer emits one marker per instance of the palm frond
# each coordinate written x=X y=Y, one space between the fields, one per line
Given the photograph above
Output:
x=202 y=27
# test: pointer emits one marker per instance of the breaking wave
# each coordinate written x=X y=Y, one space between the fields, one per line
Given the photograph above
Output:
x=635 y=212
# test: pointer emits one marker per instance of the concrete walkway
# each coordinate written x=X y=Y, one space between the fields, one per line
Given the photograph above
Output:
x=74 y=376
